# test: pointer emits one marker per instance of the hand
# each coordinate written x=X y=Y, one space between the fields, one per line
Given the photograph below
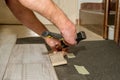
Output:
x=69 y=34
x=53 y=43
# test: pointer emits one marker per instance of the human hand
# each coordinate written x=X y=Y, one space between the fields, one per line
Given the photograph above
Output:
x=69 y=34
x=53 y=43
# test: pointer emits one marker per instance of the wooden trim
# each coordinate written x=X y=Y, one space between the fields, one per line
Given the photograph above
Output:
x=106 y=14
x=117 y=23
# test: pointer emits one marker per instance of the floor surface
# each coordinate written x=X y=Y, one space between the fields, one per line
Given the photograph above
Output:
x=29 y=62
x=24 y=61
x=32 y=65
x=100 y=58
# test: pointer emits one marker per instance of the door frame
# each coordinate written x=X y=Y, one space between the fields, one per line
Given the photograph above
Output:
x=117 y=23
x=106 y=14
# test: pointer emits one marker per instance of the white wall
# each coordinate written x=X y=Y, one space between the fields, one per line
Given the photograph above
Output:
x=94 y=1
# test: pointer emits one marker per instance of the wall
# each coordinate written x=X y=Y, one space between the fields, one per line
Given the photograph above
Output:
x=6 y=17
x=81 y=1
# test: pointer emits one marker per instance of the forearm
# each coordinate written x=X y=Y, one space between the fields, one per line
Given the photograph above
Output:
x=25 y=16
x=53 y=13
x=48 y=9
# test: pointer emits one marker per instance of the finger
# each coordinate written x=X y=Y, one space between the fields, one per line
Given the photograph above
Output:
x=68 y=44
x=70 y=41
x=65 y=49
x=64 y=53
x=58 y=47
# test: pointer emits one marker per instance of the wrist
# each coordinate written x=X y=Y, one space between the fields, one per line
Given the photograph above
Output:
x=67 y=26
